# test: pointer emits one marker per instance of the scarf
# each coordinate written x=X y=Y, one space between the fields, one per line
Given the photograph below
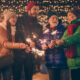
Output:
x=71 y=50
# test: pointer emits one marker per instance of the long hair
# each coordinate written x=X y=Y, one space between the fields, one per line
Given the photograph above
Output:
x=9 y=31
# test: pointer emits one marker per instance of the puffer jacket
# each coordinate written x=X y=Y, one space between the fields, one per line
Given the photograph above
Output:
x=26 y=25
x=55 y=58
x=5 y=45
x=73 y=63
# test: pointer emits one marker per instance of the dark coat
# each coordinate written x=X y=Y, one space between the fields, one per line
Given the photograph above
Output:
x=55 y=58
x=26 y=25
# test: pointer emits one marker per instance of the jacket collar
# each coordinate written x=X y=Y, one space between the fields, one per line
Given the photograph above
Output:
x=75 y=21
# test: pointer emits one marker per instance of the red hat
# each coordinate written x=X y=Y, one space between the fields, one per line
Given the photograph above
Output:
x=30 y=5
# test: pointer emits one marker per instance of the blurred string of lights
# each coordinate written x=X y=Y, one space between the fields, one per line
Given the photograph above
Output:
x=61 y=6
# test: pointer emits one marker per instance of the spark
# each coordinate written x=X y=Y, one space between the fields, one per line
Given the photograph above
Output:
x=28 y=40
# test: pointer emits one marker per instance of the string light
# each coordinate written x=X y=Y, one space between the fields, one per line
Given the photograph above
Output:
x=56 y=5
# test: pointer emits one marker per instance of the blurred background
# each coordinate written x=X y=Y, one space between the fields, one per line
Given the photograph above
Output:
x=61 y=6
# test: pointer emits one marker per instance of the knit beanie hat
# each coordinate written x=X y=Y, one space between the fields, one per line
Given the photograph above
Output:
x=8 y=13
x=30 y=5
x=76 y=12
x=50 y=13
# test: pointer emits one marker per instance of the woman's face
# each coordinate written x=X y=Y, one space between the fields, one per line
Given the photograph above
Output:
x=13 y=20
x=70 y=17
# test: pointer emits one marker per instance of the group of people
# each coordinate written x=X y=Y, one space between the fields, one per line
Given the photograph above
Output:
x=60 y=43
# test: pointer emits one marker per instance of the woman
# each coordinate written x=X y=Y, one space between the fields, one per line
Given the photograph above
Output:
x=7 y=43
x=71 y=39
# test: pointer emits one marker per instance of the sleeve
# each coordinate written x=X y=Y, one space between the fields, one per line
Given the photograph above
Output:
x=64 y=35
x=12 y=45
x=72 y=39
x=5 y=43
x=3 y=38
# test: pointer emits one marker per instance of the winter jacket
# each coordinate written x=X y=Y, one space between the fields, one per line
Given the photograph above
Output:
x=26 y=27
x=73 y=63
x=55 y=58
x=5 y=44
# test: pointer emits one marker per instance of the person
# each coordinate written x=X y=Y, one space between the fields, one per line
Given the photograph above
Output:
x=7 y=43
x=71 y=40
x=27 y=27
x=54 y=56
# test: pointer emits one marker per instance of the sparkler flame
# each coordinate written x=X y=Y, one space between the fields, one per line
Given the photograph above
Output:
x=41 y=53
x=54 y=32
x=28 y=40
x=34 y=36
x=46 y=31
x=42 y=41
x=38 y=52
x=35 y=50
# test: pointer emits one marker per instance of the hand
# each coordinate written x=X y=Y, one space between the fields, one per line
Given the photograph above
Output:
x=32 y=44
x=22 y=45
x=28 y=49
x=44 y=46
x=52 y=44
x=59 y=42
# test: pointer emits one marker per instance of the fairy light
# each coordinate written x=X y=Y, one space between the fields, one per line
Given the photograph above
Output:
x=28 y=40
x=20 y=5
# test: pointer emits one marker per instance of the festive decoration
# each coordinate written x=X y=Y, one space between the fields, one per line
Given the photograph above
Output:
x=34 y=50
x=61 y=6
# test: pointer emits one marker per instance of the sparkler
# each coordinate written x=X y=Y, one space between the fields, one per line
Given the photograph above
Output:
x=28 y=40
x=34 y=49
x=54 y=32
x=43 y=41
x=46 y=31
x=37 y=51
x=34 y=36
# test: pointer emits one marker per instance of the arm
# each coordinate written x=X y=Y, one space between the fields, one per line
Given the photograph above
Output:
x=72 y=39
x=64 y=35
x=5 y=43
x=13 y=45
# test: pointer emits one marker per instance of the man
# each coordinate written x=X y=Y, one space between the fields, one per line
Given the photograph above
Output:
x=54 y=56
x=28 y=27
